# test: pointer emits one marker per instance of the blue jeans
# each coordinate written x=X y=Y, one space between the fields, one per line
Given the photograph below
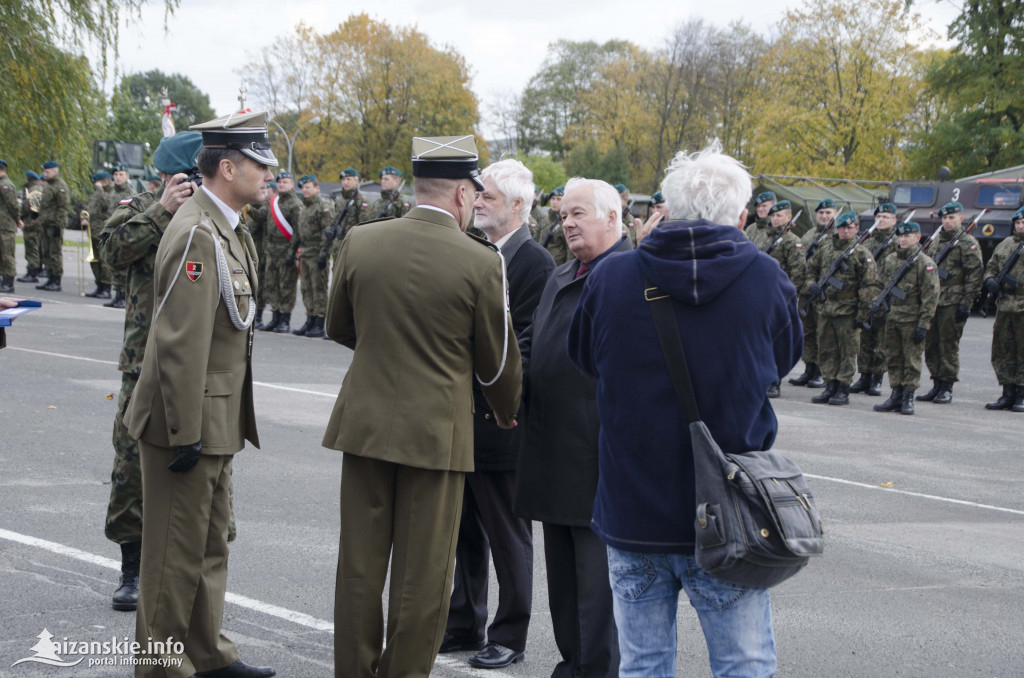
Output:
x=737 y=621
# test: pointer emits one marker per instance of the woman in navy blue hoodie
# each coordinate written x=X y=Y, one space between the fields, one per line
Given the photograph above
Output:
x=738 y=319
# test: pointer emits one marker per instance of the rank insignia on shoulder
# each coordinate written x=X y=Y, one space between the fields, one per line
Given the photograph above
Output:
x=193 y=269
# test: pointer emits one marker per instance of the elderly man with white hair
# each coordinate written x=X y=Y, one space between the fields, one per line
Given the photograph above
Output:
x=502 y=210
x=737 y=316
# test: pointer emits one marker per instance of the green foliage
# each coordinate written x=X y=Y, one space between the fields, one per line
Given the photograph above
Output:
x=547 y=173
x=587 y=160
x=136 y=110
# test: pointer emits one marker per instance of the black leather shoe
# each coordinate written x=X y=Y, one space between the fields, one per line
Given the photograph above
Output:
x=495 y=656
x=238 y=670
x=452 y=643
x=773 y=390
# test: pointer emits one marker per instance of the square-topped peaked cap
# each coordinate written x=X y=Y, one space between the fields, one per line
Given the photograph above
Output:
x=244 y=132
x=446 y=158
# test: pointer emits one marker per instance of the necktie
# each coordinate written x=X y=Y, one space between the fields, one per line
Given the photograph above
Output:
x=581 y=270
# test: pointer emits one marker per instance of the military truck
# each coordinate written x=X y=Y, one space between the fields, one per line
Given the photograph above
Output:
x=806 y=192
x=107 y=154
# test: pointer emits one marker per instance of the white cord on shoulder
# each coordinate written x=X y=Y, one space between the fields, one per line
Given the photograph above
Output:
x=504 y=317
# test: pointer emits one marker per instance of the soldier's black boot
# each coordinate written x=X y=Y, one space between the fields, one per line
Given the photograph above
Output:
x=317 y=330
x=842 y=396
x=118 y=301
x=275 y=318
x=945 y=394
x=284 y=324
x=875 y=387
x=773 y=390
x=305 y=327
x=257 y=320
x=29 y=277
x=51 y=285
x=893 y=403
x=805 y=377
x=861 y=384
x=930 y=395
x=126 y=597
x=1005 y=401
x=826 y=395
x=816 y=381
x=6 y=283
x=102 y=291
x=1018 y=400
x=907 y=405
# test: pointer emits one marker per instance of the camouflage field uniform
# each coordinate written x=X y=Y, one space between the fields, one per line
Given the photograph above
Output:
x=99 y=209
x=921 y=283
x=961 y=287
x=756 y=229
x=317 y=217
x=355 y=206
x=789 y=253
x=1008 y=332
x=282 y=271
x=383 y=207
x=538 y=222
x=53 y=217
x=872 y=357
x=838 y=336
x=810 y=356
x=553 y=239
x=255 y=218
x=31 y=230
x=120 y=195
x=9 y=214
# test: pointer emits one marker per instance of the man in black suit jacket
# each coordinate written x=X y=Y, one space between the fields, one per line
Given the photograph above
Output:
x=488 y=522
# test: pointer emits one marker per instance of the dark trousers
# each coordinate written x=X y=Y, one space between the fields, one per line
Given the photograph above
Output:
x=580 y=597
x=488 y=524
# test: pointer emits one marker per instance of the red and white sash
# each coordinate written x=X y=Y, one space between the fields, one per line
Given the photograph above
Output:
x=282 y=223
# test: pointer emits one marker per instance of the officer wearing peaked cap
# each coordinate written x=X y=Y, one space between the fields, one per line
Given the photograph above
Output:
x=424 y=307
x=193 y=407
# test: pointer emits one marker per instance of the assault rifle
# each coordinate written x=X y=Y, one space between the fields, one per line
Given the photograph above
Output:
x=1003 y=278
x=885 y=243
x=336 y=231
x=891 y=289
x=550 y=234
x=829 y=279
x=813 y=247
x=394 y=197
x=941 y=256
x=782 y=234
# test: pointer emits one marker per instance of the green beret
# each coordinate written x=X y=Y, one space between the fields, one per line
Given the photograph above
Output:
x=100 y=176
x=284 y=174
x=306 y=178
x=272 y=184
x=50 y=164
x=657 y=198
x=779 y=206
x=29 y=174
x=559 y=191
x=348 y=172
x=391 y=170
x=1019 y=214
x=951 y=208
x=886 y=208
x=907 y=228
x=120 y=167
x=4 y=163
x=763 y=197
x=826 y=204
x=621 y=188
x=177 y=154
x=846 y=218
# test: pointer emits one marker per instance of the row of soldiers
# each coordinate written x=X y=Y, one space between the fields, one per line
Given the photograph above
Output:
x=883 y=300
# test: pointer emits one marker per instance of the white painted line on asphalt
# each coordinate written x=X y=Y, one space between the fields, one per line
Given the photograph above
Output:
x=62 y=355
x=917 y=494
x=294 y=390
x=242 y=601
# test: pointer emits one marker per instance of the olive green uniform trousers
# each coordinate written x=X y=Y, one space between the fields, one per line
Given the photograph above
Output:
x=905 y=356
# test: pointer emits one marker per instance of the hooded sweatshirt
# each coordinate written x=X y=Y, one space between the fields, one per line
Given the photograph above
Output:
x=737 y=316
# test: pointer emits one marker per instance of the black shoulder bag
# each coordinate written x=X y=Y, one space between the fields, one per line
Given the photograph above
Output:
x=757 y=524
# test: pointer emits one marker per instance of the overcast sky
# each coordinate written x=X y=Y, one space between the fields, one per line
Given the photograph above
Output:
x=504 y=42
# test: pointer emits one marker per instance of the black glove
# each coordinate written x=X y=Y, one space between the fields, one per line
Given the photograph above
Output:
x=918 y=336
x=289 y=261
x=864 y=325
x=321 y=261
x=962 y=313
x=55 y=232
x=814 y=290
x=992 y=286
x=186 y=457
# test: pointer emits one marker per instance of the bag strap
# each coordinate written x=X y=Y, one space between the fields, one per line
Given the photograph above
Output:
x=672 y=348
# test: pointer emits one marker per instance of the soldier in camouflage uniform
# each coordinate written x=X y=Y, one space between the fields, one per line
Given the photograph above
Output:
x=281 y=244
x=350 y=207
x=872 y=359
x=843 y=312
x=9 y=214
x=255 y=219
x=1008 y=331
x=553 y=238
x=53 y=217
x=762 y=203
x=385 y=206
x=628 y=227
x=964 y=271
x=121 y=194
x=317 y=217
x=788 y=251
x=658 y=205
x=824 y=213
x=31 y=194
x=538 y=220
x=908 y=319
x=99 y=209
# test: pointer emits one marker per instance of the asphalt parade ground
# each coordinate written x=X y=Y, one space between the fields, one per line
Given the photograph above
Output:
x=923 y=573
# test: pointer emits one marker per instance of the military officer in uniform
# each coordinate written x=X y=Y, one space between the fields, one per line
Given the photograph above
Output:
x=193 y=408
x=53 y=217
x=121 y=194
x=845 y=311
x=963 y=270
x=281 y=246
x=824 y=214
x=351 y=207
x=553 y=239
x=9 y=214
x=786 y=249
x=424 y=307
x=99 y=210
x=658 y=205
x=391 y=202
x=31 y=193
x=762 y=203
x=317 y=217
x=872 y=359
x=1008 y=331
x=908 y=319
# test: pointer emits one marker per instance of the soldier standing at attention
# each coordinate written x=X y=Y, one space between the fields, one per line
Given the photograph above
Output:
x=391 y=203
x=762 y=203
x=872 y=359
x=281 y=247
x=844 y=311
x=352 y=207
x=31 y=194
x=811 y=377
x=8 y=229
x=256 y=221
x=121 y=195
x=1008 y=331
x=53 y=217
x=317 y=217
x=909 y=318
x=193 y=407
x=788 y=251
x=964 y=271
x=99 y=209
x=553 y=239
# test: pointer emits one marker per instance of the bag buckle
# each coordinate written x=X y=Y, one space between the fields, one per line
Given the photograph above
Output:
x=648 y=292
